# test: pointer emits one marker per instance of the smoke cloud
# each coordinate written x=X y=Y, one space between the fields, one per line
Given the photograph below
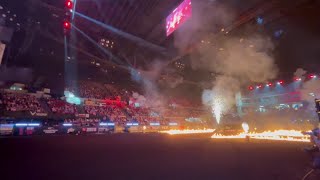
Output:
x=309 y=91
x=139 y=99
x=205 y=18
x=148 y=78
x=300 y=73
x=237 y=63
x=171 y=80
x=237 y=60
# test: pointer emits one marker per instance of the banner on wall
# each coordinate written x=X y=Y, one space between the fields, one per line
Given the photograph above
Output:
x=82 y=115
x=6 y=129
x=38 y=114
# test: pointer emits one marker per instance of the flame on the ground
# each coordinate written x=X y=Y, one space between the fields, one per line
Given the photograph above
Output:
x=280 y=135
x=188 y=131
x=220 y=136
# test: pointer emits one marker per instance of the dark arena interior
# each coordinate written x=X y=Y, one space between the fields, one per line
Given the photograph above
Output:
x=160 y=89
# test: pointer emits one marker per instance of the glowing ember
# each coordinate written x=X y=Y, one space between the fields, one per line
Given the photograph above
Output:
x=281 y=135
x=217 y=109
x=189 y=131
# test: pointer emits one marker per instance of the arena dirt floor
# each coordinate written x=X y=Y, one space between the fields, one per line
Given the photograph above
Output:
x=150 y=156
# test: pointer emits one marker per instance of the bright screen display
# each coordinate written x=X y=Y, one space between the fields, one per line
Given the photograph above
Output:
x=179 y=15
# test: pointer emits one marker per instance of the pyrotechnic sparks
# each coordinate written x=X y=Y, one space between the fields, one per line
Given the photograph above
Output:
x=245 y=127
x=280 y=135
x=188 y=131
x=217 y=108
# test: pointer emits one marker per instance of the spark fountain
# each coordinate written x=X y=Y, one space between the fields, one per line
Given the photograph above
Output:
x=217 y=107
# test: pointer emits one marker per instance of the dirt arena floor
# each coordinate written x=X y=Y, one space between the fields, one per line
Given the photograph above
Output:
x=150 y=156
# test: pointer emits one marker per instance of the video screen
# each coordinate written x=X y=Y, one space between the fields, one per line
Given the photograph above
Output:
x=178 y=16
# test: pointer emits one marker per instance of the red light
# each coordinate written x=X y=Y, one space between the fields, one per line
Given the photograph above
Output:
x=297 y=79
x=269 y=84
x=280 y=82
x=312 y=76
x=69 y=4
x=250 y=88
x=66 y=25
x=259 y=86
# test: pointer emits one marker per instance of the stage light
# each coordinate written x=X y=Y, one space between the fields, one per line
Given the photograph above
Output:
x=21 y=124
x=312 y=76
x=67 y=124
x=107 y=124
x=132 y=124
x=33 y=124
x=259 y=86
x=280 y=82
x=69 y=4
x=269 y=84
x=297 y=79
x=66 y=25
x=250 y=88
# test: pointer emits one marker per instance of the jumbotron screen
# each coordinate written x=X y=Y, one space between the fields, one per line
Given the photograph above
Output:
x=179 y=15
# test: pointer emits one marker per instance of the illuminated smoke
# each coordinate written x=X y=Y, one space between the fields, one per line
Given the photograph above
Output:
x=309 y=92
x=148 y=80
x=221 y=98
x=310 y=89
x=238 y=64
x=300 y=73
x=236 y=60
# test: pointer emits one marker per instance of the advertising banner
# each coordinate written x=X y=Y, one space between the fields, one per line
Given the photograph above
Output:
x=89 y=129
x=83 y=115
x=38 y=114
x=6 y=129
x=50 y=130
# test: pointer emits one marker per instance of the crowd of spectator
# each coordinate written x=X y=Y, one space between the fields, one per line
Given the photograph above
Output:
x=59 y=106
x=94 y=90
x=104 y=109
x=21 y=102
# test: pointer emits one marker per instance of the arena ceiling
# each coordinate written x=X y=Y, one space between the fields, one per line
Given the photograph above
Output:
x=38 y=41
x=142 y=18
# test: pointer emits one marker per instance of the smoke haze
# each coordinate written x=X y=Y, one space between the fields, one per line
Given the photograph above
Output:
x=148 y=78
x=237 y=60
x=300 y=73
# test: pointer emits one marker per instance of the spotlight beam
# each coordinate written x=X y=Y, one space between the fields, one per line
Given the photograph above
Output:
x=126 y=35
x=98 y=45
x=74 y=8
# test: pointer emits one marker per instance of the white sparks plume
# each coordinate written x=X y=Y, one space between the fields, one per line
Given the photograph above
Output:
x=217 y=109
